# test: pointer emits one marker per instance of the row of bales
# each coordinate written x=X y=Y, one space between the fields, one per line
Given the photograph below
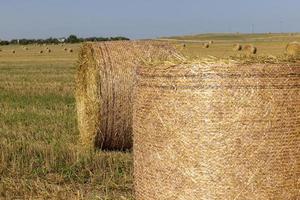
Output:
x=292 y=49
x=46 y=50
x=199 y=129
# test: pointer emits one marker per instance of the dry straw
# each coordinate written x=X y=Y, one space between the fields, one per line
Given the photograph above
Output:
x=249 y=49
x=217 y=131
x=293 y=49
x=104 y=83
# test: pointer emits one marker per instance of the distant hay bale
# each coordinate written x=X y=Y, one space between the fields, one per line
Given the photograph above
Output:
x=49 y=51
x=105 y=78
x=293 y=49
x=66 y=49
x=71 y=50
x=217 y=131
x=249 y=49
x=41 y=51
x=0 y=50
x=13 y=51
x=237 y=47
x=206 y=45
x=211 y=42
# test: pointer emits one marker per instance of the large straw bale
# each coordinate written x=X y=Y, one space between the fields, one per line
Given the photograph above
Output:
x=249 y=49
x=293 y=49
x=217 y=131
x=206 y=45
x=104 y=83
x=237 y=47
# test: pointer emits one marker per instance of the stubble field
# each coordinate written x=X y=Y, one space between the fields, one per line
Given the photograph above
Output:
x=38 y=130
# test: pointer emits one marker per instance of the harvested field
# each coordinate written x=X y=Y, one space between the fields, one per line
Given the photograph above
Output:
x=38 y=121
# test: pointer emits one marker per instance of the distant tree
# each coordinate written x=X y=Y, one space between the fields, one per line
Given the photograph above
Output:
x=119 y=38
x=72 y=39
x=14 y=41
x=4 y=42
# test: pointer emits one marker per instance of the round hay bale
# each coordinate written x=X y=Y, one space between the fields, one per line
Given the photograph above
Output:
x=211 y=42
x=206 y=45
x=215 y=131
x=0 y=50
x=41 y=51
x=293 y=49
x=105 y=78
x=71 y=50
x=13 y=51
x=49 y=51
x=249 y=49
x=237 y=47
x=66 y=49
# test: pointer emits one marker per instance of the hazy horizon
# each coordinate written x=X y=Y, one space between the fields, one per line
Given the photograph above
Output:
x=140 y=19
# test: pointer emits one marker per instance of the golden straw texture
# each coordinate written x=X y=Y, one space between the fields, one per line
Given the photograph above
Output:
x=217 y=131
x=249 y=49
x=293 y=49
x=104 y=84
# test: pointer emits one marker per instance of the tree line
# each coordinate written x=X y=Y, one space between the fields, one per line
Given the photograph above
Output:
x=71 y=39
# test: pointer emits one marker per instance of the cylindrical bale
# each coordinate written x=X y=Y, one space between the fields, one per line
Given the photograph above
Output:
x=249 y=49
x=237 y=47
x=217 y=131
x=293 y=49
x=206 y=45
x=104 y=84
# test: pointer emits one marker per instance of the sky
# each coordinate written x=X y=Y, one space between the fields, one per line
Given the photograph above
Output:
x=138 y=19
